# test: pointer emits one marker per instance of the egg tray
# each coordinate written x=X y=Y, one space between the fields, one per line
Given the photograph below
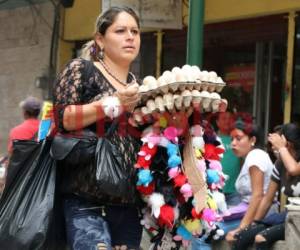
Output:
x=175 y=86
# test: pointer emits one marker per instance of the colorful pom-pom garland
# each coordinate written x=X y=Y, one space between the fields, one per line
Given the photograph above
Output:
x=166 y=190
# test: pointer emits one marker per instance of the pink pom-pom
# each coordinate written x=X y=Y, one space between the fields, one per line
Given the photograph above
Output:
x=214 y=164
x=173 y=172
x=171 y=134
x=186 y=191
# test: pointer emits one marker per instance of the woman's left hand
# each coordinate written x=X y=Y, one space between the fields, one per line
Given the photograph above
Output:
x=129 y=97
x=277 y=141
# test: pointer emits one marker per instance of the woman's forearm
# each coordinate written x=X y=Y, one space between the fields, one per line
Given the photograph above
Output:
x=257 y=181
x=291 y=165
x=263 y=208
x=251 y=211
x=79 y=116
x=267 y=200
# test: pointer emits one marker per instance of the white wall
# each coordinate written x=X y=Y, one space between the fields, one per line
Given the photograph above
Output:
x=25 y=38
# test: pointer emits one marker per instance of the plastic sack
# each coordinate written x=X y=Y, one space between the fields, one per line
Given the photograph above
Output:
x=27 y=202
x=114 y=177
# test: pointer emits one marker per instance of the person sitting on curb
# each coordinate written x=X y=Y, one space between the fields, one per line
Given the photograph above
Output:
x=286 y=176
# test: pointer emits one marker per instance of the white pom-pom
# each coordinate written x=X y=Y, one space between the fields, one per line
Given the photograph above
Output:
x=156 y=200
x=112 y=106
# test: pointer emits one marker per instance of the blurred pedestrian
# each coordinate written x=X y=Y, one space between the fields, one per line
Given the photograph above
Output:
x=28 y=129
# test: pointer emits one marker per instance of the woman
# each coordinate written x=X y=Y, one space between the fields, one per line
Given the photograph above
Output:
x=286 y=176
x=94 y=92
x=251 y=183
x=253 y=179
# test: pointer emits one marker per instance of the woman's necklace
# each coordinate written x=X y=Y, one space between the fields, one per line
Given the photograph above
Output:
x=113 y=76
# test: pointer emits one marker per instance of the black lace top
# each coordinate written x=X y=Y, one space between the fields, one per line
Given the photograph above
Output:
x=80 y=83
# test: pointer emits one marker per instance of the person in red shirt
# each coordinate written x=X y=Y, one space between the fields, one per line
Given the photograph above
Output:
x=28 y=129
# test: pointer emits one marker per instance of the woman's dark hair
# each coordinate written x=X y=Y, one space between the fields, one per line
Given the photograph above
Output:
x=291 y=131
x=90 y=50
x=245 y=123
x=108 y=17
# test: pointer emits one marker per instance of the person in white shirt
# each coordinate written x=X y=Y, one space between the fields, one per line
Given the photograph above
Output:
x=255 y=158
x=254 y=177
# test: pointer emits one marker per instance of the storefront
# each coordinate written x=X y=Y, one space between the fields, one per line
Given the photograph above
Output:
x=249 y=54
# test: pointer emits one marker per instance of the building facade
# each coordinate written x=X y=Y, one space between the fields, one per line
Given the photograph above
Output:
x=253 y=44
x=25 y=44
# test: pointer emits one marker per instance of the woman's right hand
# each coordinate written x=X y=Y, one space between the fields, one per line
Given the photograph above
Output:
x=277 y=141
x=129 y=97
x=231 y=235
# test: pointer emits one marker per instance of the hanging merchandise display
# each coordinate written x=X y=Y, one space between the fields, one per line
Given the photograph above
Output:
x=179 y=174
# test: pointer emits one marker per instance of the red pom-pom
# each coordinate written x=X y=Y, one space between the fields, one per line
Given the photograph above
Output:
x=145 y=156
x=142 y=163
x=146 y=190
x=149 y=151
x=211 y=152
x=166 y=216
x=179 y=180
x=195 y=214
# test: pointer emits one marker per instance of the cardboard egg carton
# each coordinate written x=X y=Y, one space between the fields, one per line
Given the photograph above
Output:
x=180 y=101
x=181 y=79
x=179 y=90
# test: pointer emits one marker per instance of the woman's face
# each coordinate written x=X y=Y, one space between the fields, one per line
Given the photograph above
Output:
x=224 y=122
x=121 y=41
x=241 y=143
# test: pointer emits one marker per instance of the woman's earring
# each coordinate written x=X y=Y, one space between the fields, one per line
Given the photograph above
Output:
x=93 y=49
x=252 y=144
x=101 y=54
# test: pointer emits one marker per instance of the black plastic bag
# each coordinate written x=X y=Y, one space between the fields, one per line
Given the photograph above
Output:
x=114 y=177
x=27 y=202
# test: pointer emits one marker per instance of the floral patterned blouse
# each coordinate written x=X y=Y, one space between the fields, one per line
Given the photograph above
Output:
x=80 y=83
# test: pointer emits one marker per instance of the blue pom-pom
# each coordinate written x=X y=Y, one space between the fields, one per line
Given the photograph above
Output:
x=174 y=161
x=172 y=149
x=212 y=176
x=144 y=177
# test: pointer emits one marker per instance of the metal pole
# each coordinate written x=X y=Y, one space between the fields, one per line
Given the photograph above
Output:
x=159 y=38
x=288 y=82
x=256 y=111
x=195 y=32
x=268 y=90
x=289 y=67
